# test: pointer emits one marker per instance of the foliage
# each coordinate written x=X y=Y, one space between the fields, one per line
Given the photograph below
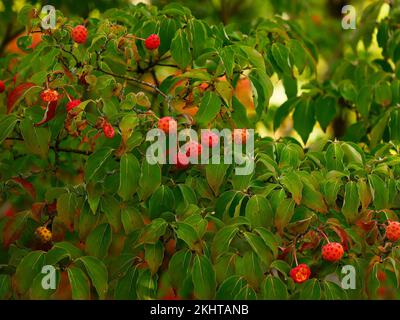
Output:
x=125 y=229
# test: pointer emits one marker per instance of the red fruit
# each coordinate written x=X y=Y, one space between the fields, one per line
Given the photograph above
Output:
x=240 y=136
x=152 y=42
x=79 y=34
x=209 y=138
x=381 y=275
x=300 y=273
x=2 y=86
x=332 y=252
x=393 y=231
x=182 y=161
x=167 y=124
x=73 y=104
x=108 y=130
x=193 y=149
x=49 y=95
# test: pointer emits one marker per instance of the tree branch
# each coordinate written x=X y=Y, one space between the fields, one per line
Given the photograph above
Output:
x=56 y=148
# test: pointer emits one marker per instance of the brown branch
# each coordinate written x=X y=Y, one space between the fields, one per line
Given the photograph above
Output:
x=144 y=83
x=56 y=148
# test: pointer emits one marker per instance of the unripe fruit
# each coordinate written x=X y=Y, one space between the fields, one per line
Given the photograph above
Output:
x=393 y=231
x=44 y=234
x=300 y=273
x=332 y=252
x=193 y=149
x=167 y=124
x=79 y=34
x=152 y=42
x=49 y=95
x=240 y=136
x=2 y=86
x=72 y=104
x=209 y=139
x=108 y=130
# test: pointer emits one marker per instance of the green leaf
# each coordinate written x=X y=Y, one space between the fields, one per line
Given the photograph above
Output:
x=215 y=174
x=180 y=49
x=67 y=206
x=274 y=288
x=334 y=156
x=150 y=179
x=7 y=124
x=332 y=291
x=377 y=185
x=223 y=239
x=129 y=175
x=112 y=209
x=230 y=287
x=5 y=287
x=325 y=110
x=351 y=202
x=27 y=270
x=96 y=162
x=311 y=290
x=280 y=54
x=204 y=280
x=36 y=140
x=284 y=214
x=264 y=89
x=313 y=199
x=154 y=255
x=293 y=184
x=94 y=193
x=153 y=231
x=383 y=94
x=162 y=200
x=125 y=288
x=99 y=240
x=378 y=130
x=188 y=234
x=259 y=212
x=209 y=108
x=364 y=193
x=364 y=100
x=79 y=284
x=304 y=119
x=179 y=268
x=131 y=219
x=259 y=247
x=98 y=274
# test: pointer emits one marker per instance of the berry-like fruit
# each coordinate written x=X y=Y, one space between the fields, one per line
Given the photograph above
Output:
x=152 y=42
x=332 y=252
x=44 y=234
x=167 y=124
x=108 y=130
x=49 y=95
x=393 y=231
x=72 y=104
x=193 y=149
x=240 y=136
x=209 y=139
x=300 y=273
x=182 y=161
x=2 y=86
x=79 y=34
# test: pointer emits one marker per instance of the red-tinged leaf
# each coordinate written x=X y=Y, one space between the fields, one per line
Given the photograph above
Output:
x=344 y=238
x=49 y=113
x=14 y=95
x=26 y=185
x=310 y=241
x=366 y=225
